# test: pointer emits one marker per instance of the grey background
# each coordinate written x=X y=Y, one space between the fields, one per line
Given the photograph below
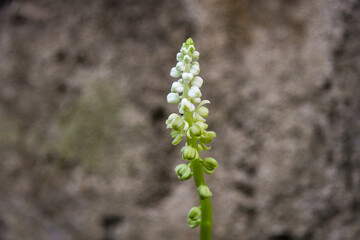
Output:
x=84 y=153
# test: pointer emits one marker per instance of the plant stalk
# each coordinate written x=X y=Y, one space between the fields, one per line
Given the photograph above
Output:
x=205 y=204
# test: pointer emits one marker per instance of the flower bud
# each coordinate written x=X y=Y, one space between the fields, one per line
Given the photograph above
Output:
x=195 y=63
x=180 y=66
x=191 y=48
x=183 y=171
x=173 y=98
x=204 y=191
x=195 y=70
x=203 y=111
x=189 y=153
x=187 y=77
x=194 y=92
x=187 y=59
x=194 y=217
x=174 y=73
x=209 y=165
x=197 y=82
x=195 y=131
x=177 y=87
x=171 y=118
x=178 y=124
x=207 y=137
x=196 y=55
x=179 y=57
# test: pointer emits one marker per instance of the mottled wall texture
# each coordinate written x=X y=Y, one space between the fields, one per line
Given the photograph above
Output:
x=84 y=153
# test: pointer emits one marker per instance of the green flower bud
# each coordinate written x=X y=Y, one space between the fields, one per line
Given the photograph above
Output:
x=204 y=191
x=209 y=165
x=189 y=153
x=195 y=131
x=178 y=124
x=207 y=137
x=194 y=217
x=203 y=111
x=183 y=171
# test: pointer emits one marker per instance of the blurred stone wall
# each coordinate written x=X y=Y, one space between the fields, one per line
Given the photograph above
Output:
x=84 y=153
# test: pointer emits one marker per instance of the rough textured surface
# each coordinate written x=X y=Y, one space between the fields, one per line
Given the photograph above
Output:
x=83 y=146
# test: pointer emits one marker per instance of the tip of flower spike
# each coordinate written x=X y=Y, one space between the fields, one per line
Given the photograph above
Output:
x=189 y=42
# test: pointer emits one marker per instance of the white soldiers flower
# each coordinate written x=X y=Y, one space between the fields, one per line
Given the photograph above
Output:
x=194 y=92
x=190 y=123
x=173 y=98
x=177 y=87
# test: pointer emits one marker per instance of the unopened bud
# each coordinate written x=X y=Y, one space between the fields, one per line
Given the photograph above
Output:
x=194 y=217
x=180 y=66
x=187 y=77
x=204 y=191
x=178 y=124
x=197 y=82
x=173 y=98
x=189 y=153
x=203 y=111
x=196 y=55
x=175 y=73
x=179 y=57
x=195 y=70
x=177 y=87
x=187 y=59
x=209 y=165
x=194 y=92
x=183 y=171
x=195 y=131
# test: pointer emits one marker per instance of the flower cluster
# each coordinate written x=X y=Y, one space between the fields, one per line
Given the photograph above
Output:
x=190 y=122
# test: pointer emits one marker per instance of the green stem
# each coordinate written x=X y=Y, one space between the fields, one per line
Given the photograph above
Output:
x=205 y=204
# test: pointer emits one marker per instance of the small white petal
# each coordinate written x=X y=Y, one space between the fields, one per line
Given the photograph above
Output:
x=173 y=98
x=177 y=87
x=194 y=92
x=175 y=73
x=197 y=81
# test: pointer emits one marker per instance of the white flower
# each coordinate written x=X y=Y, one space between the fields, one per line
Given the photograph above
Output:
x=173 y=98
x=174 y=73
x=177 y=87
x=196 y=55
x=195 y=70
x=186 y=105
x=187 y=77
x=180 y=66
x=194 y=92
x=197 y=81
